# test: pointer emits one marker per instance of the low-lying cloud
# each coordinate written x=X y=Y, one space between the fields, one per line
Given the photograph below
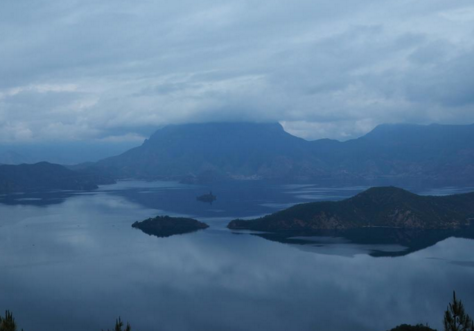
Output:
x=111 y=71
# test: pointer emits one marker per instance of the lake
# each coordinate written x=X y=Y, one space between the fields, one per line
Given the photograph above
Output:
x=71 y=261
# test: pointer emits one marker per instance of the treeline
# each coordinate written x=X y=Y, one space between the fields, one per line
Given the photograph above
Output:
x=8 y=323
x=455 y=319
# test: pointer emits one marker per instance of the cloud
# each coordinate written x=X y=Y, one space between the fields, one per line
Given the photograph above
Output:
x=116 y=69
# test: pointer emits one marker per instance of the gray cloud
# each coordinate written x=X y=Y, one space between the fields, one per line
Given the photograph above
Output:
x=82 y=70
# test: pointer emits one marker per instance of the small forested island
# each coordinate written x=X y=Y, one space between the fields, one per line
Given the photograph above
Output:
x=207 y=198
x=380 y=207
x=166 y=226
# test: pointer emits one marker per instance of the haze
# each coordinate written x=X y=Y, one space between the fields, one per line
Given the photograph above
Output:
x=114 y=71
x=204 y=165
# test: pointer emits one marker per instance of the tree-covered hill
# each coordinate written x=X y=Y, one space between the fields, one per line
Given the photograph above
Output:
x=377 y=207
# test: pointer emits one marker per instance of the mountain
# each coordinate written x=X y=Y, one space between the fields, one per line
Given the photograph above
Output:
x=217 y=151
x=401 y=155
x=387 y=207
x=407 y=154
x=45 y=176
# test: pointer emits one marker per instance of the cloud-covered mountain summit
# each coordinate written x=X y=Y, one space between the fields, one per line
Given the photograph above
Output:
x=396 y=154
x=77 y=70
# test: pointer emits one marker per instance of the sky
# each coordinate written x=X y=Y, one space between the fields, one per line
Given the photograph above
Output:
x=114 y=71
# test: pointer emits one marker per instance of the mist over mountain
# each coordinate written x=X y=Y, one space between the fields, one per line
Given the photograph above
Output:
x=217 y=151
x=390 y=154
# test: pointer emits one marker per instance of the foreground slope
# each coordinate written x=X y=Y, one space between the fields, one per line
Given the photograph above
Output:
x=377 y=207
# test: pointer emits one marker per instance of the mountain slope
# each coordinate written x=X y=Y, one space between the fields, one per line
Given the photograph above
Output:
x=377 y=207
x=400 y=155
x=221 y=150
x=434 y=154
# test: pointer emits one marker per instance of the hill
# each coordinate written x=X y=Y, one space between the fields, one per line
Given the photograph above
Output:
x=387 y=207
x=400 y=155
x=45 y=176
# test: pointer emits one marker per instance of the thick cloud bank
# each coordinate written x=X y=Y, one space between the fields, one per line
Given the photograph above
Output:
x=112 y=70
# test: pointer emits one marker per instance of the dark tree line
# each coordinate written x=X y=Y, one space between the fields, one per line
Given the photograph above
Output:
x=7 y=323
x=455 y=319
x=119 y=326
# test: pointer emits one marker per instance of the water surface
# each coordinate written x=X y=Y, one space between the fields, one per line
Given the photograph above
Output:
x=71 y=261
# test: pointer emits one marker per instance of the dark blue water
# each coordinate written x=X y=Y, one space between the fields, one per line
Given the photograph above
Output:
x=71 y=261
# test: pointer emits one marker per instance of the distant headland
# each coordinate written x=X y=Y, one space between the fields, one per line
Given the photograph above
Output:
x=381 y=207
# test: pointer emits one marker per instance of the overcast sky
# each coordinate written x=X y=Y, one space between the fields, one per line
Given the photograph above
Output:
x=114 y=70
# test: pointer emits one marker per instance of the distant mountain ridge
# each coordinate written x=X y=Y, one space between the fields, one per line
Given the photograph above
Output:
x=388 y=155
x=387 y=207
x=45 y=176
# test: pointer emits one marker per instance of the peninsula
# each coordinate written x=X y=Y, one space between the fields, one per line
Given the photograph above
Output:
x=46 y=176
x=380 y=207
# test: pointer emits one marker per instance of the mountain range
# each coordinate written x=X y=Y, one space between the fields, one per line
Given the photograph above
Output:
x=401 y=155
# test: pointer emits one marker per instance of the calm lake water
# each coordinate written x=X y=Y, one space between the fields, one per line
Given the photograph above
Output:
x=71 y=261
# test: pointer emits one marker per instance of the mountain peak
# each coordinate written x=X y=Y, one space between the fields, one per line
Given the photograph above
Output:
x=221 y=128
x=384 y=193
x=399 y=154
x=218 y=133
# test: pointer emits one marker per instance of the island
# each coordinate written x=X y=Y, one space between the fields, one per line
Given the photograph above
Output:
x=166 y=226
x=210 y=198
x=379 y=207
